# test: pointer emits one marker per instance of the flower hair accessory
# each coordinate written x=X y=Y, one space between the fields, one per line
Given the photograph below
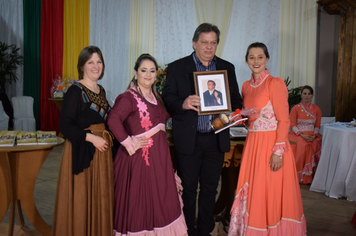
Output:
x=301 y=90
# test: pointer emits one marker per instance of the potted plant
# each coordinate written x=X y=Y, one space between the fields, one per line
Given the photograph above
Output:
x=10 y=59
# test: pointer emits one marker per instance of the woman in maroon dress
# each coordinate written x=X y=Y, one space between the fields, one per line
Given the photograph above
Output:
x=146 y=199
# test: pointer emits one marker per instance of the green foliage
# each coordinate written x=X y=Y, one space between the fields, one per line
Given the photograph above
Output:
x=9 y=61
x=294 y=96
x=161 y=78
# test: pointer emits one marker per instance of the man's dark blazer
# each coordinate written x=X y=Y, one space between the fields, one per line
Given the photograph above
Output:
x=210 y=100
x=179 y=85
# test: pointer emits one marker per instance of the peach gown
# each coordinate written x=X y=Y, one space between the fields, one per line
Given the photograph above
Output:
x=267 y=202
x=306 y=120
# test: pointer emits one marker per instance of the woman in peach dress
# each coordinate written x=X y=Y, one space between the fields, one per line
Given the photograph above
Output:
x=305 y=119
x=268 y=199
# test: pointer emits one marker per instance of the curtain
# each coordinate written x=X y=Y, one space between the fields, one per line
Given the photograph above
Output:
x=251 y=21
x=164 y=28
x=11 y=25
x=110 y=31
x=298 y=28
x=175 y=23
x=215 y=12
x=32 y=73
x=51 y=59
x=75 y=35
x=141 y=31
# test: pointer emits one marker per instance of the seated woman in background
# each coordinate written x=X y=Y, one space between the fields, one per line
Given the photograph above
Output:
x=305 y=120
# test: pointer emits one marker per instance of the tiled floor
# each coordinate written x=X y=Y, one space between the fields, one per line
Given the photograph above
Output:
x=325 y=216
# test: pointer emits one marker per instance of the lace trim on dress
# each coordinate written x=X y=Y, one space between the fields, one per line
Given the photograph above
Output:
x=145 y=123
x=316 y=130
x=308 y=168
x=260 y=80
x=307 y=109
x=153 y=131
x=285 y=226
x=305 y=124
x=177 y=227
x=267 y=120
x=154 y=101
x=296 y=130
x=130 y=143
x=279 y=148
x=239 y=214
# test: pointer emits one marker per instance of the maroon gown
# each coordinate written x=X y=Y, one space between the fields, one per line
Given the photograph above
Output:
x=146 y=199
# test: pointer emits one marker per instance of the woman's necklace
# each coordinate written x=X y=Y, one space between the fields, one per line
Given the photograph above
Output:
x=147 y=95
x=94 y=88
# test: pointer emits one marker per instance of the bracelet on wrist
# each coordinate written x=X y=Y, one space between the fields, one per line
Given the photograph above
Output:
x=279 y=155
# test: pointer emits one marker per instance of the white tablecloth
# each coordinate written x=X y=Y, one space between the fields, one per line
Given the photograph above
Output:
x=336 y=172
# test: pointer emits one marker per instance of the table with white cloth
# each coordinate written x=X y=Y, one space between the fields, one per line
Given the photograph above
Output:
x=336 y=172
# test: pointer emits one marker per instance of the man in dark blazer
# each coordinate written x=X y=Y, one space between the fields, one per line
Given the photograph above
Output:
x=199 y=151
x=212 y=97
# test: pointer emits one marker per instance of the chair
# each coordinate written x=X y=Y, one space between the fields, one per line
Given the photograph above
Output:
x=4 y=119
x=24 y=119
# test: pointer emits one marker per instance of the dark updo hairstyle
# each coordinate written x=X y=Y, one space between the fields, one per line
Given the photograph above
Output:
x=134 y=83
x=257 y=45
x=307 y=87
x=85 y=55
x=206 y=28
x=140 y=59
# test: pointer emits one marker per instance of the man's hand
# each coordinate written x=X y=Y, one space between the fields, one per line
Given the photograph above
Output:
x=191 y=103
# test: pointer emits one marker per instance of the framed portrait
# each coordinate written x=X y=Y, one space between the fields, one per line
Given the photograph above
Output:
x=213 y=89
